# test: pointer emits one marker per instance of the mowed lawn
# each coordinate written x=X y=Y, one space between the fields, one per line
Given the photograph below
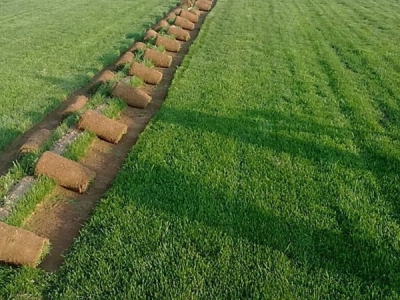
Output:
x=271 y=171
x=49 y=48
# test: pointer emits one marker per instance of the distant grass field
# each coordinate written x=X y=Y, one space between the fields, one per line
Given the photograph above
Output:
x=50 y=48
x=271 y=171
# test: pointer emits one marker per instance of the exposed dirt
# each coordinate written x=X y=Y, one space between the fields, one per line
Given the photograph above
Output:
x=61 y=216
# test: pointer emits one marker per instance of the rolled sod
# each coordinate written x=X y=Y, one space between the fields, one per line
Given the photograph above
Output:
x=179 y=33
x=150 y=34
x=105 y=128
x=170 y=16
x=137 y=46
x=169 y=44
x=64 y=172
x=203 y=6
x=162 y=24
x=194 y=11
x=35 y=141
x=159 y=59
x=132 y=96
x=189 y=16
x=106 y=76
x=77 y=104
x=177 y=11
x=185 y=24
x=126 y=58
x=20 y=247
x=147 y=74
x=188 y=3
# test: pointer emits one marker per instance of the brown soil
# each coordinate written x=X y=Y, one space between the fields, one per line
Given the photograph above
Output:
x=179 y=33
x=168 y=44
x=61 y=215
x=126 y=58
x=149 y=75
x=105 y=128
x=132 y=96
x=189 y=16
x=78 y=103
x=185 y=24
x=19 y=246
x=65 y=172
x=159 y=59
x=35 y=141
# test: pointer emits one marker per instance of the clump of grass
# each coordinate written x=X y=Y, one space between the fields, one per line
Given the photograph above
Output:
x=79 y=148
x=136 y=81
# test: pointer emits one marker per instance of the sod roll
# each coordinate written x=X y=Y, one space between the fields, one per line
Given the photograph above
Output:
x=64 y=172
x=159 y=59
x=177 y=11
x=105 y=128
x=137 y=46
x=35 y=141
x=150 y=34
x=179 y=33
x=106 y=76
x=20 y=247
x=126 y=58
x=189 y=16
x=170 y=16
x=78 y=103
x=168 y=44
x=133 y=97
x=187 y=3
x=194 y=11
x=162 y=24
x=205 y=6
x=185 y=24
x=147 y=74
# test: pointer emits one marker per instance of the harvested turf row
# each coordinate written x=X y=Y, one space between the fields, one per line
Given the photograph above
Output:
x=104 y=159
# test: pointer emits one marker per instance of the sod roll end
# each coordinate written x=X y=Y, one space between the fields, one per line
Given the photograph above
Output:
x=107 y=129
x=64 y=172
x=20 y=247
x=132 y=96
x=162 y=24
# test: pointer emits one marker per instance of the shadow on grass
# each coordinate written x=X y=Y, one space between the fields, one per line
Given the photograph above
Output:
x=344 y=252
x=172 y=193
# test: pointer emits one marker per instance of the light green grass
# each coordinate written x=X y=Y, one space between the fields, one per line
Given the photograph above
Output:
x=48 y=48
x=271 y=171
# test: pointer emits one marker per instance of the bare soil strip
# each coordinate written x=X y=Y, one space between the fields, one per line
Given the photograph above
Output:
x=61 y=216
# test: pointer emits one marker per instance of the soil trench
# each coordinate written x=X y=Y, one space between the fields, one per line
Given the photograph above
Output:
x=63 y=213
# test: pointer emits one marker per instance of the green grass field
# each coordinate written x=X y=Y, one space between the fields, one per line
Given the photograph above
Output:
x=271 y=171
x=49 y=48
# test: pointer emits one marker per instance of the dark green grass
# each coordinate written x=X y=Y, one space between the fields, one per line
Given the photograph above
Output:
x=271 y=171
x=48 y=48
